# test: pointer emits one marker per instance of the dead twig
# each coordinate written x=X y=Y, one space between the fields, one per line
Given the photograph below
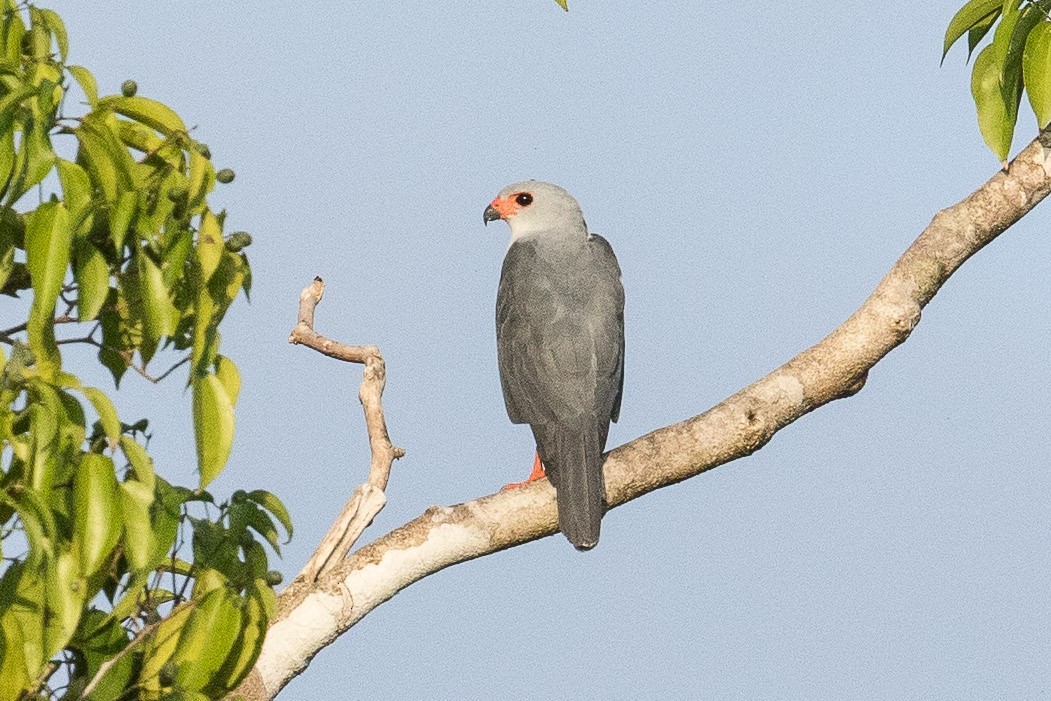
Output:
x=369 y=498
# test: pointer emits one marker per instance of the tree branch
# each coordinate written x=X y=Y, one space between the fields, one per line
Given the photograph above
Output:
x=369 y=498
x=312 y=615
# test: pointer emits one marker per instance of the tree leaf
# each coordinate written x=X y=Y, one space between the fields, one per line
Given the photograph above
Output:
x=120 y=217
x=159 y=647
x=242 y=658
x=966 y=17
x=976 y=33
x=271 y=503
x=161 y=317
x=92 y=275
x=104 y=157
x=995 y=120
x=1011 y=81
x=76 y=192
x=48 y=238
x=152 y=113
x=39 y=158
x=139 y=544
x=1036 y=72
x=140 y=461
x=87 y=83
x=213 y=423
x=209 y=246
x=66 y=594
x=57 y=28
x=14 y=30
x=228 y=374
x=15 y=669
x=107 y=413
x=563 y=4
x=7 y=254
x=207 y=638
x=97 y=518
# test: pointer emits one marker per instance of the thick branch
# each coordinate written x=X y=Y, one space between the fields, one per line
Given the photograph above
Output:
x=312 y=615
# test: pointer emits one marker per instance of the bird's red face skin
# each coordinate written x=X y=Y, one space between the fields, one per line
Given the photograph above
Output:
x=506 y=206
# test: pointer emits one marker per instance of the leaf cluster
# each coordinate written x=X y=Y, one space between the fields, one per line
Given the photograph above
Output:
x=1016 y=60
x=115 y=583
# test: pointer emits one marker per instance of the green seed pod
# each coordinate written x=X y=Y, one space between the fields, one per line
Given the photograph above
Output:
x=238 y=241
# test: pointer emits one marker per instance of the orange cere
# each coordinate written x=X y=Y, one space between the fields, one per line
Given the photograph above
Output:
x=506 y=206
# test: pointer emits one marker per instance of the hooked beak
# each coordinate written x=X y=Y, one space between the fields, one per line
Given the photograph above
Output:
x=491 y=214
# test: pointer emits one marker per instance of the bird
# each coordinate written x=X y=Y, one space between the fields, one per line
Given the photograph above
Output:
x=560 y=345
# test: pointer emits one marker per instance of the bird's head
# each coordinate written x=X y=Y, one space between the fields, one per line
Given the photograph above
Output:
x=532 y=207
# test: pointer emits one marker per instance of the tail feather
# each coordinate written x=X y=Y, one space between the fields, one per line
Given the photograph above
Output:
x=572 y=458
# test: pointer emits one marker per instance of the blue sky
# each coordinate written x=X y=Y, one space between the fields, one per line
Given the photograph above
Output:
x=757 y=169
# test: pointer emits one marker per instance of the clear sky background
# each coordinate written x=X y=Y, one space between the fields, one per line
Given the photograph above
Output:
x=757 y=168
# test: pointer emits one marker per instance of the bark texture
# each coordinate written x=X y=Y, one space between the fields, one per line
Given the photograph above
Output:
x=311 y=614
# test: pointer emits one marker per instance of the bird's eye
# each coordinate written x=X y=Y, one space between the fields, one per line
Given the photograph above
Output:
x=524 y=199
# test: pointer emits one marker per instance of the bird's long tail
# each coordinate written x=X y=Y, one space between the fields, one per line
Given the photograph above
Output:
x=572 y=457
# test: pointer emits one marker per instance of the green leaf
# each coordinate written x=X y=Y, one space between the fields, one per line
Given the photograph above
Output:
x=57 y=28
x=242 y=658
x=995 y=120
x=1036 y=71
x=139 y=544
x=92 y=275
x=66 y=594
x=976 y=33
x=97 y=516
x=209 y=246
x=271 y=503
x=140 y=461
x=158 y=648
x=76 y=191
x=213 y=423
x=1011 y=80
x=16 y=671
x=228 y=374
x=121 y=215
x=48 y=238
x=107 y=413
x=7 y=254
x=201 y=181
x=966 y=17
x=104 y=157
x=207 y=639
x=563 y=4
x=38 y=158
x=14 y=30
x=152 y=113
x=87 y=83
x=99 y=640
x=161 y=316
x=38 y=525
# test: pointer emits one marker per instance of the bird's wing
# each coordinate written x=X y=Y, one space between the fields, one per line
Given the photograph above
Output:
x=560 y=336
x=607 y=326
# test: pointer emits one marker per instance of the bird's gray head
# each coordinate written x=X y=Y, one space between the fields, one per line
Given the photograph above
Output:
x=534 y=207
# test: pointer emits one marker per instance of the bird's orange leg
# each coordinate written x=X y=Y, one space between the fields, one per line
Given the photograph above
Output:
x=537 y=473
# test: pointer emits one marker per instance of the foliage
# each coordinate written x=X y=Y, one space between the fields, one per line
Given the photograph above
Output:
x=1017 y=58
x=115 y=583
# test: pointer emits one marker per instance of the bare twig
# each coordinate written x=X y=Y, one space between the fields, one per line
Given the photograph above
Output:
x=369 y=498
x=5 y=334
x=126 y=356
